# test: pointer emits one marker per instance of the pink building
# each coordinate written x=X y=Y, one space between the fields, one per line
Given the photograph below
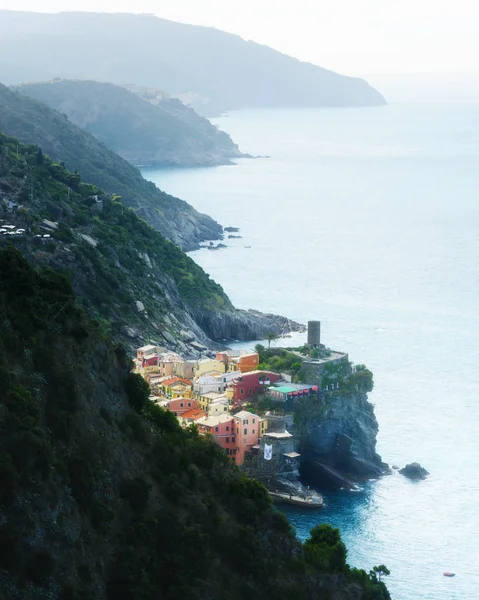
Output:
x=222 y=428
x=179 y=406
x=247 y=434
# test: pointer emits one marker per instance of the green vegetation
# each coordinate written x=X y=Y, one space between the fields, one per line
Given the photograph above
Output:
x=111 y=256
x=279 y=360
x=271 y=337
x=118 y=504
x=164 y=133
x=34 y=123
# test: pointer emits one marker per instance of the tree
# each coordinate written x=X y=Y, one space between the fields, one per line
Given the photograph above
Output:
x=378 y=572
x=271 y=337
x=138 y=391
x=259 y=348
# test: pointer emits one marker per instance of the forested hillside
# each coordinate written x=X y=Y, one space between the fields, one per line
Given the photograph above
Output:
x=104 y=497
x=113 y=258
x=160 y=133
x=35 y=123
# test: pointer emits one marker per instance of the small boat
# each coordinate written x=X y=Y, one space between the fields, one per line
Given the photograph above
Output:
x=447 y=574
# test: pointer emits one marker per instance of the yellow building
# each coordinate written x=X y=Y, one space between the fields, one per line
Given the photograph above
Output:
x=205 y=400
x=208 y=365
x=218 y=407
x=263 y=426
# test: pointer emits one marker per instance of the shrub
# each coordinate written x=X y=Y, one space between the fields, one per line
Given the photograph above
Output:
x=136 y=491
x=138 y=391
x=8 y=479
x=40 y=565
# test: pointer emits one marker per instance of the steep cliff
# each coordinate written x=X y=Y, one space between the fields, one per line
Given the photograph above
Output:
x=32 y=122
x=104 y=497
x=163 y=132
x=140 y=285
x=337 y=435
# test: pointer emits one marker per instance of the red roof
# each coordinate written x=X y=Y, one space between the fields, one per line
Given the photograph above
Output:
x=195 y=413
x=175 y=380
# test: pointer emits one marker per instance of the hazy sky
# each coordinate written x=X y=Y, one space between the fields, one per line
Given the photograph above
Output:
x=363 y=37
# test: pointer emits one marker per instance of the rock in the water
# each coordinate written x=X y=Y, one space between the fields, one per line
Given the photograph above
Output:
x=140 y=307
x=414 y=471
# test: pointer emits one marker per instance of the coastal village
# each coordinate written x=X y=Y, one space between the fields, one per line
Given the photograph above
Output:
x=225 y=396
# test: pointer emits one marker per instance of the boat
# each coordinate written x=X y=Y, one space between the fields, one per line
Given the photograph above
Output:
x=313 y=502
x=448 y=574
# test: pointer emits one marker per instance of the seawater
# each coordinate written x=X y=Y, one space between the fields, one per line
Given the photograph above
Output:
x=368 y=219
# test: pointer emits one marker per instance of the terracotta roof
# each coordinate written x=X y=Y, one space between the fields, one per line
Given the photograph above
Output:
x=175 y=380
x=194 y=413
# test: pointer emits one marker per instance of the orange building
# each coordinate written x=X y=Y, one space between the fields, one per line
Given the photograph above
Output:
x=244 y=362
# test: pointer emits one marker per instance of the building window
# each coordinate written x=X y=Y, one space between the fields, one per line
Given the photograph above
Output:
x=250 y=390
x=254 y=421
x=227 y=451
x=233 y=439
x=245 y=422
x=227 y=427
x=189 y=404
x=253 y=430
x=245 y=432
x=237 y=430
x=182 y=404
x=227 y=440
x=217 y=429
x=242 y=391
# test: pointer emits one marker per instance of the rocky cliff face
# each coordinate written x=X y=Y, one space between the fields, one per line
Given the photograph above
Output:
x=338 y=439
x=242 y=324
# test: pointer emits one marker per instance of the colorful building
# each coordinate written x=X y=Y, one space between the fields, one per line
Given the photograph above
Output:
x=243 y=362
x=204 y=400
x=218 y=407
x=214 y=383
x=286 y=394
x=247 y=434
x=148 y=350
x=222 y=428
x=209 y=365
x=191 y=416
x=179 y=406
x=184 y=369
x=249 y=384
x=177 y=388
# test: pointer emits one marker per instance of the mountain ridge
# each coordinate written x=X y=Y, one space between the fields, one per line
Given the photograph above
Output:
x=32 y=122
x=161 y=132
x=217 y=70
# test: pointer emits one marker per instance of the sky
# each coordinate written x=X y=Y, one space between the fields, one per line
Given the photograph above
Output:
x=372 y=38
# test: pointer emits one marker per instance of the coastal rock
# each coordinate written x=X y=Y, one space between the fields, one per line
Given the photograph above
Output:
x=217 y=247
x=231 y=229
x=414 y=471
x=338 y=440
x=140 y=307
x=243 y=324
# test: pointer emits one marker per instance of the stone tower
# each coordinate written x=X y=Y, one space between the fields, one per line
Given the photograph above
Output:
x=314 y=334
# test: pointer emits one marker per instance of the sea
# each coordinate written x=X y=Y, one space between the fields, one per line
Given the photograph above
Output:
x=368 y=220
